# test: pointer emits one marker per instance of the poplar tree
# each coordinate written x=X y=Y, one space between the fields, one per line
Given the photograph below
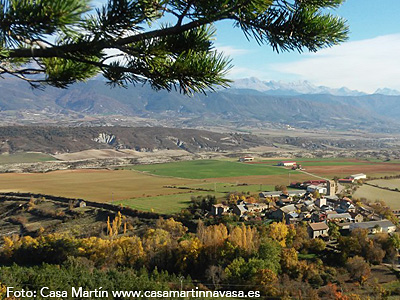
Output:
x=168 y=44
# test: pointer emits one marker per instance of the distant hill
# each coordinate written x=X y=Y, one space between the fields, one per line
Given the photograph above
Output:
x=235 y=106
x=72 y=139
x=59 y=140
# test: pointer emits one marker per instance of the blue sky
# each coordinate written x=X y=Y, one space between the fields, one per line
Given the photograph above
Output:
x=370 y=59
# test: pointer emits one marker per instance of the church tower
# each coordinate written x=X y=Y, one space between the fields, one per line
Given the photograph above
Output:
x=330 y=188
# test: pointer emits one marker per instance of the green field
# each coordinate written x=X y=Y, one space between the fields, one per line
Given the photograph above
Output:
x=201 y=169
x=320 y=161
x=26 y=157
x=229 y=187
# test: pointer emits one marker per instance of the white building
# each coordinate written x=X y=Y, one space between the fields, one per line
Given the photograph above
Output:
x=246 y=158
x=358 y=176
x=312 y=188
x=375 y=226
x=287 y=163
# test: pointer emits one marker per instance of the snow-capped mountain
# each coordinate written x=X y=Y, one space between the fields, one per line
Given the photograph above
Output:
x=290 y=88
x=388 y=92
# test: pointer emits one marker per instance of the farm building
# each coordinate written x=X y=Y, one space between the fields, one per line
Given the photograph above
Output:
x=375 y=226
x=287 y=163
x=358 y=176
x=246 y=158
x=298 y=193
x=290 y=193
x=270 y=194
x=239 y=209
x=219 y=209
x=314 y=182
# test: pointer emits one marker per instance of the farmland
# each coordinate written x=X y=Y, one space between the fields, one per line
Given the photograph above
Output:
x=148 y=192
x=392 y=198
x=371 y=193
x=168 y=187
x=26 y=157
x=390 y=183
x=202 y=169
x=95 y=185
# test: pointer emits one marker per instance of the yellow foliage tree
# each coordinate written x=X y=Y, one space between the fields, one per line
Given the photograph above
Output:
x=214 y=235
x=127 y=250
x=278 y=232
x=245 y=237
x=176 y=229
x=3 y=293
x=189 y=251
x=155 y=239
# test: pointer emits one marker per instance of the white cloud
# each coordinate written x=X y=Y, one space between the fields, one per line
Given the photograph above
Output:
x=239 y=72
x=231 y=51
x=364 y=65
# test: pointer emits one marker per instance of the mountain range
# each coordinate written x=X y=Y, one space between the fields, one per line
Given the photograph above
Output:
x=248 y=103
x=300 y=88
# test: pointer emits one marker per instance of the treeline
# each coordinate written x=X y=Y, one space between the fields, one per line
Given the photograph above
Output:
x=79 y=272
x=266 y=258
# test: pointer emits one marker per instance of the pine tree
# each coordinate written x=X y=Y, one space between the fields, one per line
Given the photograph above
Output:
x=62 y=42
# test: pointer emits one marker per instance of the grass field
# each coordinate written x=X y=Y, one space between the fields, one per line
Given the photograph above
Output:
x=390 y=183
x=201 y=169
x=229 y=187
x=26 y=157
x=372 y=193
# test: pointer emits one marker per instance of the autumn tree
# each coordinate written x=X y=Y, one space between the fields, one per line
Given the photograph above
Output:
x=128 y=250
x=301 y=237
x=245 y=237
x=267 y=281
x=128 y=41
x=289 y=260
x=212 y=237
x=158 y=245
x=316 y=194
x=176 y=229
x=278 y=231
x=281 y=188
x=358 y=268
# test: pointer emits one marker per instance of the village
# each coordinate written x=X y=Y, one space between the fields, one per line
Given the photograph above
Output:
x=315 y=202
